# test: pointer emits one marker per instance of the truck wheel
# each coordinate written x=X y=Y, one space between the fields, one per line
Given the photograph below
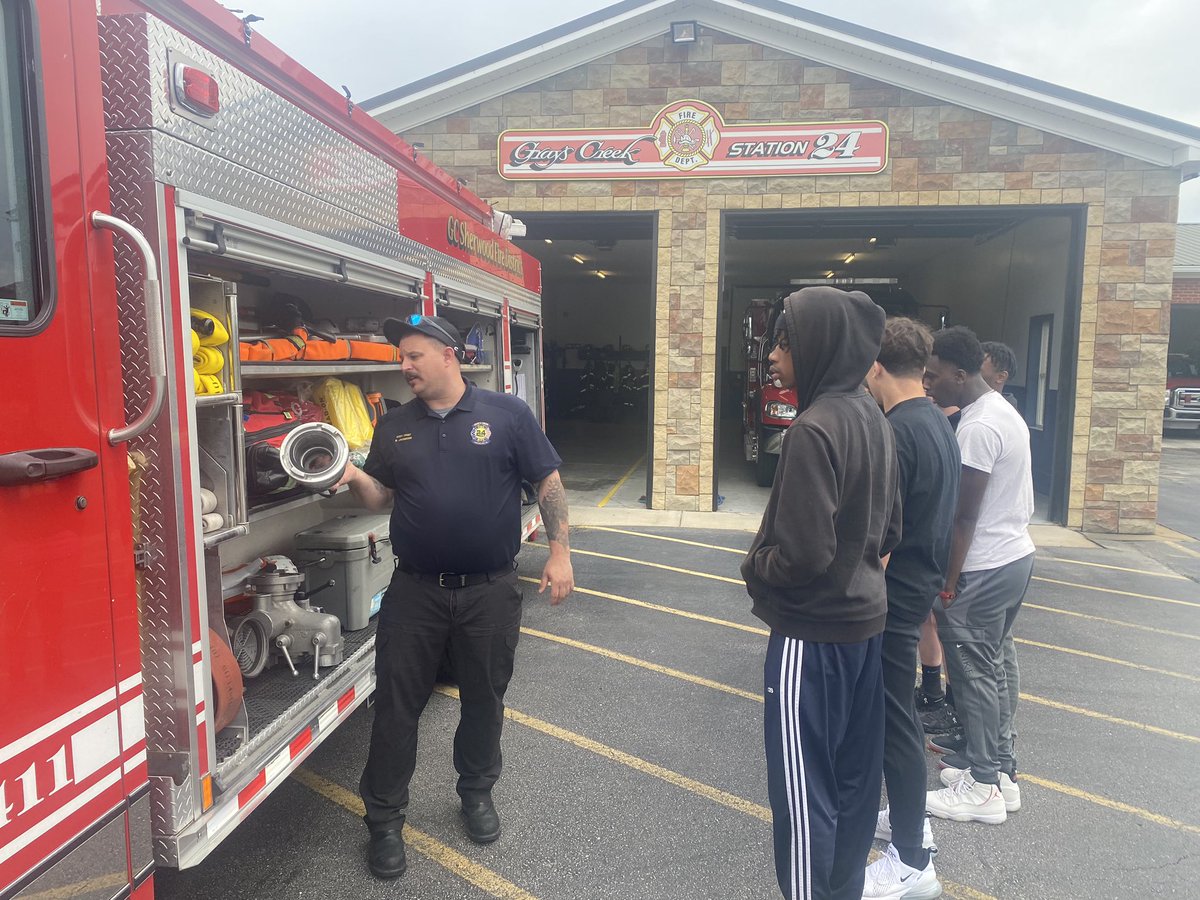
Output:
x=764 y=467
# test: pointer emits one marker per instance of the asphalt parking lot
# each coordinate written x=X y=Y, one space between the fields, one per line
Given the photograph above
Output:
x=633 y=752
x=1179 y=478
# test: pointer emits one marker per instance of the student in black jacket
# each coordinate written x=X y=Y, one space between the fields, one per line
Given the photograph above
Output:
x=815 y=573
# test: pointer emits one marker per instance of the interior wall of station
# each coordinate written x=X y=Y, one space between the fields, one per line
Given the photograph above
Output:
x=994 y=288
x=941 y=155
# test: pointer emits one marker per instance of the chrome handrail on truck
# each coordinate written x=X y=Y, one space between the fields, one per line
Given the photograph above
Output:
x=154 y=329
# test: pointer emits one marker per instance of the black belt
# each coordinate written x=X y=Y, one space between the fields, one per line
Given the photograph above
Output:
x=455 y=580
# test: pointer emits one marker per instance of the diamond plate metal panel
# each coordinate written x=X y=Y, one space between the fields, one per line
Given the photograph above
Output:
x=125 y=72
x=256 y=128
x=198 y=171
x=263 y=153
x=166 y=644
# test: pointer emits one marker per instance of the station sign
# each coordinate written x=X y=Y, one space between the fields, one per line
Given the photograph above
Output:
x=689 y=139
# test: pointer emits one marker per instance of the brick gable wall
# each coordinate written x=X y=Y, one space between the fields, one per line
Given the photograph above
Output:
x=940 y=155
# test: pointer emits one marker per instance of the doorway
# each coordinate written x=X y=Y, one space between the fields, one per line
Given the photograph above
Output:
x=598 y=301
x=1011 y=274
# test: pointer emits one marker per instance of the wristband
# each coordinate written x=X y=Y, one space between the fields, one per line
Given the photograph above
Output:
x=947 y=595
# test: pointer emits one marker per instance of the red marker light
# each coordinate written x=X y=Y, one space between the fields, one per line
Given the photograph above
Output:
x=197 y=90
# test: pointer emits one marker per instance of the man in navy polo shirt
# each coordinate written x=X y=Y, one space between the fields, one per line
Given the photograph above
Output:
x=449 y=464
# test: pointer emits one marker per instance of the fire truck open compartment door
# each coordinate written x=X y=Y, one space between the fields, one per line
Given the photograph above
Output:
x=285 y=716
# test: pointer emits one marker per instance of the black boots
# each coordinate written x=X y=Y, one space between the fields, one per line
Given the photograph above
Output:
x=386 y=854
x=483 y=824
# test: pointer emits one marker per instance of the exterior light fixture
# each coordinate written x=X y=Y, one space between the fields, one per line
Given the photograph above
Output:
x=684 y=32
x=830 y=273
x=548 y=241
x=579 y=259
x=849 y=258
x=600 y=274
x=872 y=240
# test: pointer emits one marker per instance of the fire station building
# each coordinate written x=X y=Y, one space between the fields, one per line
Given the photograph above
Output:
x=674 y=161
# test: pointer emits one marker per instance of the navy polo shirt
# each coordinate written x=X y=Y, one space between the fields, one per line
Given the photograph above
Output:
x=458 y=480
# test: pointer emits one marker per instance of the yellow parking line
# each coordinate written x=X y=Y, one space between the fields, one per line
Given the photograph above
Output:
x=616 y=487
x=644 y=664
x=1090 y=587
x=1092 y=714
x=1109 y=659
x=1123 y=624
x=1178 y=545
x=699 y=617
x=712 y=620
x=1053 y=785
x=716 y=795
x=750 y=695
x=660 y=537
x=1096 y=565
x=79 y=888
x=652 y=565
x=1111 y=804
x=492 y=883
x=725 y=623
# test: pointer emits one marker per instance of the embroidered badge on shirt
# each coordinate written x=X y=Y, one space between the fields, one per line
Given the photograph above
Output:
x=481 y=433
x=403 y=437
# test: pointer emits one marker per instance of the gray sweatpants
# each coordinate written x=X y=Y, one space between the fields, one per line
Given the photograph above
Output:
x=981 y=662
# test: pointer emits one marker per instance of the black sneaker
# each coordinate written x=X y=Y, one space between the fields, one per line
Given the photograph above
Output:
x=924 y=702
x=954 y=742
x=940 y=720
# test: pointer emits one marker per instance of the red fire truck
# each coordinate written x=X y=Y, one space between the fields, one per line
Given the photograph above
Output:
x=767 y=410
x=181 y=203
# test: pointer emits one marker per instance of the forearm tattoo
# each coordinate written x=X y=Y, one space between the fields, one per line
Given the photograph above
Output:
x=372 y=493
x=552 y=500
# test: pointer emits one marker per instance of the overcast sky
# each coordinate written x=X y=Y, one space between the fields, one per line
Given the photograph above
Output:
x=1142 y=54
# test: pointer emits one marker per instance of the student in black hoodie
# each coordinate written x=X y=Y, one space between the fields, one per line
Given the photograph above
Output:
x=815 y=573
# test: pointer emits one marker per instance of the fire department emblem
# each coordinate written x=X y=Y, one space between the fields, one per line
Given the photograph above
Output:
x=481 y=433
x=687 y=137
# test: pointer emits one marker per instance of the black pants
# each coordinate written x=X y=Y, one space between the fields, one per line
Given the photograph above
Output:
x=903 y=740
x=418 y=620
x=824 y=743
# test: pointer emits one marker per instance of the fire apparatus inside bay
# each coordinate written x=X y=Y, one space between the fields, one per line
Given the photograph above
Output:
x=199 y=244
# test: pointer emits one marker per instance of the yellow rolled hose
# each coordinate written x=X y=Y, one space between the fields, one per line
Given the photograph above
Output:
x=195 y=342
x=209 y=384
x=208 y=360
x=220 y=334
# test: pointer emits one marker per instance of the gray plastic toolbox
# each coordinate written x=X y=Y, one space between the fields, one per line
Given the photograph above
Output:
x=354 y=551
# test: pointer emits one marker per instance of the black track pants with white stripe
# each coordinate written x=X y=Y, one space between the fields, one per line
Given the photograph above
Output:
x=824 y=741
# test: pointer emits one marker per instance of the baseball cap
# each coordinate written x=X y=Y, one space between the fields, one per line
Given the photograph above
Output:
x=431 y=326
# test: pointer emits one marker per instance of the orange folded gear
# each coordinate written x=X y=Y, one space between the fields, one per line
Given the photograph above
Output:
x=374 y=351
x=270 y=349
x=317 y=348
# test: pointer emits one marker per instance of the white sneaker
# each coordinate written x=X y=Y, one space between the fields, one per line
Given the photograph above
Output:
x=883 y=829
x=1009 y=789
x=968 y=801
x=890 y=878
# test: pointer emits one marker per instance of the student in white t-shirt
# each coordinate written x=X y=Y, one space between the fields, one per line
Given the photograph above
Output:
x=991 y=563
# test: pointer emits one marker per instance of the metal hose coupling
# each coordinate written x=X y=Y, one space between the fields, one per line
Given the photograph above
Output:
x=315 y=456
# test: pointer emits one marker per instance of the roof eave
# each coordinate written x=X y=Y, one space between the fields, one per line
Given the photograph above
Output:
x=825 y=44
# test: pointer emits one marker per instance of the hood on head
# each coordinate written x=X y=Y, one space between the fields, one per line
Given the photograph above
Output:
x=834 y=337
